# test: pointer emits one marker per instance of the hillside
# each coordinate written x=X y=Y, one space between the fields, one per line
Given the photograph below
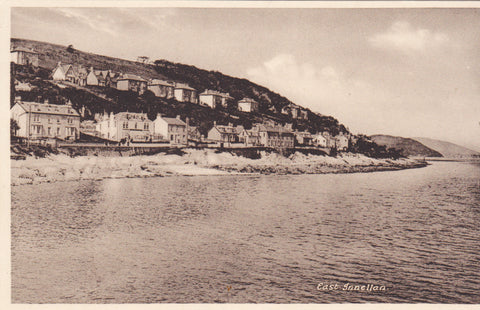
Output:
x=407 y=146
x=112 y=100
x=448 y=149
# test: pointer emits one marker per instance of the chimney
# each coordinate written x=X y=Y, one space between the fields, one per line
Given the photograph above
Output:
x=230 y=125
x=214 y=123
x=45 y=101
x=18 y=98
x=159 y=115
x=187 y=120
x=178 y=116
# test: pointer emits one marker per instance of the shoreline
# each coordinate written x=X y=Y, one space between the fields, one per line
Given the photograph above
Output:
x=58 y=168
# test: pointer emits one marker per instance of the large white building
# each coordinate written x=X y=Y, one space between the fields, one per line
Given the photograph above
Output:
x=43 y=121
x=135 y=127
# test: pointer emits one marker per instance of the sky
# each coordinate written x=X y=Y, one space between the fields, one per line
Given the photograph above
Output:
x=404 y=72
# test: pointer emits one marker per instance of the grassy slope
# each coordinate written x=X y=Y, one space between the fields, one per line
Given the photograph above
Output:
x=408 y=147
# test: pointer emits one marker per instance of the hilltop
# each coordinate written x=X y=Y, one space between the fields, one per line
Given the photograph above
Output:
x=93 y=100
x=448 y=149
x=407 y=146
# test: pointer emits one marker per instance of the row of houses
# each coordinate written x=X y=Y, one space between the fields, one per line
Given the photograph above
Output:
x=182 y=92
x=275 y=136
x=136 y=127
x=46 y=121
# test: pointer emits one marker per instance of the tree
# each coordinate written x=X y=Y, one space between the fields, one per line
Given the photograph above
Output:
x=13 y=127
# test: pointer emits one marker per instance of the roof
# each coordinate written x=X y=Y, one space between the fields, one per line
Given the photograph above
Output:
x=77 y=70
x=303 y=133
x=22 y=49
x=247 y=100
x=100 y=74
x=226 y=129
x=114 y=76
x=274 y=129
x=161 y=82
x=252 y=133
x=239 y=128
x=210 y=92
x=173 y=121
x=131 y=115
x=131 y=77
x=183 y=86
x=54 y=109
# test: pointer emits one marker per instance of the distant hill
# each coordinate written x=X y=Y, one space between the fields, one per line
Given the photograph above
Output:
x=448 y=149
x=407 y=146
x=270 y=102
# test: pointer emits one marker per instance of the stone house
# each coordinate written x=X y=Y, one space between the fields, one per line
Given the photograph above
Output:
x=43 y=121
x=131 y=82
x=275 y=136
x=23 y=56
x=304 y=137
x=223 y=133
x=161 y=88
x=248 y=105
x=70 y=73
x=172 y=129
x=185 y=93
x=214 y=99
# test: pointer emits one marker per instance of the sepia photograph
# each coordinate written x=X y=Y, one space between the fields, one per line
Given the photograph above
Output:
x=242 y=152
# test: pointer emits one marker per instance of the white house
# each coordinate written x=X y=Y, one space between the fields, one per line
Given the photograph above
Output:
x=97 y=77
x=341 y=142
x=248 y=105
x=135 y=127
x=67 y=72
x=184 y=93
x=172 y=129
x=319 y=140
x=211 y=98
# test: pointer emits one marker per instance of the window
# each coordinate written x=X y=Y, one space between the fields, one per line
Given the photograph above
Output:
x=49 y=131
x=58 y=120
x=37 y=129
x=125 y=125
x=135 y=125
x=145 y=126
x=36 y=118
x=58 y=131
x=70 y=120
x=171 y=137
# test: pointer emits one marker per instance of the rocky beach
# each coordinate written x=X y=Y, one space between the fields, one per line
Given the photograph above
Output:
x=61 y=167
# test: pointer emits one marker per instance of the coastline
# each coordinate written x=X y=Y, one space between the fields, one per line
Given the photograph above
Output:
x=58 y=168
